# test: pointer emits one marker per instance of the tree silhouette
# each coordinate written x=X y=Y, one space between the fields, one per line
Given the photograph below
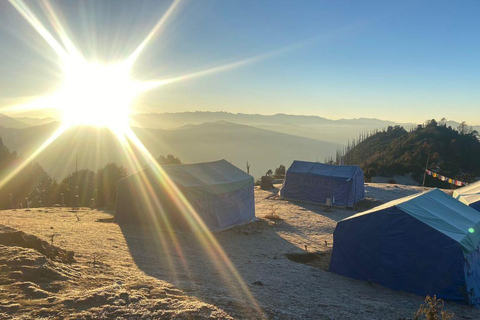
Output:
x=106 y=181
x=169 y=159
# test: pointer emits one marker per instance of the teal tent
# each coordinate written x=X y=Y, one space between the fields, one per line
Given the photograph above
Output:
x=427 y=244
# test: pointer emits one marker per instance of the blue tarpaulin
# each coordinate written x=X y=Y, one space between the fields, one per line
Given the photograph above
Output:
x=315 y=182
x=427 y=244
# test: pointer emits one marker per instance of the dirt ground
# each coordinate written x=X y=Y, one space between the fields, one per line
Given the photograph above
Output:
x=273 y=268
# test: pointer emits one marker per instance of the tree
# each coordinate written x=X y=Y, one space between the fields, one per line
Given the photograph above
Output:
x=81 y=183
x=169 y=159
x=464 y=129
x=106 y=181
x=32 y=181
x=431 y=123
x=280 y=172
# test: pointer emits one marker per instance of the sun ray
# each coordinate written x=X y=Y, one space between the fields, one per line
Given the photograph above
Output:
x=152 y=84
x=72 y=50
x=212 y=247
x=156 y=29
x=154 y=206
x=32 y=19
x=82 y=75
x=30 y=104
x=32 y=157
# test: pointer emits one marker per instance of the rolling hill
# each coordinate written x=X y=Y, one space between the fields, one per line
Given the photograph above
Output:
x=398 y=151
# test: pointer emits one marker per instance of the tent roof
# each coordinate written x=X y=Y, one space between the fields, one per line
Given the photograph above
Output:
x=441 y=212
x=210 y=177
x=468 y=194
x=324 y=170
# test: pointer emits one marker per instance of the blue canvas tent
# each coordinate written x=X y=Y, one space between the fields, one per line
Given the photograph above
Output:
x=221 y=194
x=315 y=182
x=470 y=195
x=427 y=244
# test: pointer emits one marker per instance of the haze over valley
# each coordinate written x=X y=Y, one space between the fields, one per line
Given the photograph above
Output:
x=264 y=141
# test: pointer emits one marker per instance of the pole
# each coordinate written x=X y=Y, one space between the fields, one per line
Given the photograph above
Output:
x=425 y=172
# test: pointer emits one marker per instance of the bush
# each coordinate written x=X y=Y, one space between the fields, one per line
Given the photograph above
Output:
x=433 y=310
x=266 y=183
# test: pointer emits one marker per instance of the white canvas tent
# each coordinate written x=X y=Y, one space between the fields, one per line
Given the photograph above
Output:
x=469 y=195
x=220 y=193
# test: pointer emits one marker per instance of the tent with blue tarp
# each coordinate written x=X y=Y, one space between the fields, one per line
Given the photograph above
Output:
x=427 y=244
x=315 y=182
x=221 y=194
x=470 y=195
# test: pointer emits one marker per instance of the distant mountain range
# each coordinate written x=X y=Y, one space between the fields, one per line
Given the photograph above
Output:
x=94 y=147
x=311 y=127
x=32 y=121
x=265 y=141
x=9 y=122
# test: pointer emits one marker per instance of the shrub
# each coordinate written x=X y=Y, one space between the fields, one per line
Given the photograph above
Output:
x=433 y=310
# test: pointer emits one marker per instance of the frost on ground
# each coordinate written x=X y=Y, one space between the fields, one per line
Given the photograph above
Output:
x=274 y=268
x=39 y=280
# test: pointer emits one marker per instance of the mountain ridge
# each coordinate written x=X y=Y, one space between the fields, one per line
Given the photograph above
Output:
x=94 y=147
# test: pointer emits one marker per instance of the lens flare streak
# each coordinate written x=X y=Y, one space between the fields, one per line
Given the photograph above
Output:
x=81 y=74
x=33 y=156
x=32 y=19
x=156 y=29
x=206 y=238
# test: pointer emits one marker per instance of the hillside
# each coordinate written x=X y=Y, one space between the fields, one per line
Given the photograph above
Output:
x=94 y=147
x=398 y=151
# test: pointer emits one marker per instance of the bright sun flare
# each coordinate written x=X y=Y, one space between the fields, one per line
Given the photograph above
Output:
x=97 y=95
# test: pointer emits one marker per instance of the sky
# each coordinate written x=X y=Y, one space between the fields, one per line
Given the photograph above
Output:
x=405 y=61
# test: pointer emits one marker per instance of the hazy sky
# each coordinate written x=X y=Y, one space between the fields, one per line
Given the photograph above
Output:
x=396 y=60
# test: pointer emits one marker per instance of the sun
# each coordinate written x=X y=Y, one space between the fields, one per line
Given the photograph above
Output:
x=96 y=94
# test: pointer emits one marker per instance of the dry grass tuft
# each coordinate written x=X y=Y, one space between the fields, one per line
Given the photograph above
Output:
x=433 y=310
x=272 y=215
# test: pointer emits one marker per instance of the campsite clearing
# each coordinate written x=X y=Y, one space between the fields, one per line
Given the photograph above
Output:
x=110 y=257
